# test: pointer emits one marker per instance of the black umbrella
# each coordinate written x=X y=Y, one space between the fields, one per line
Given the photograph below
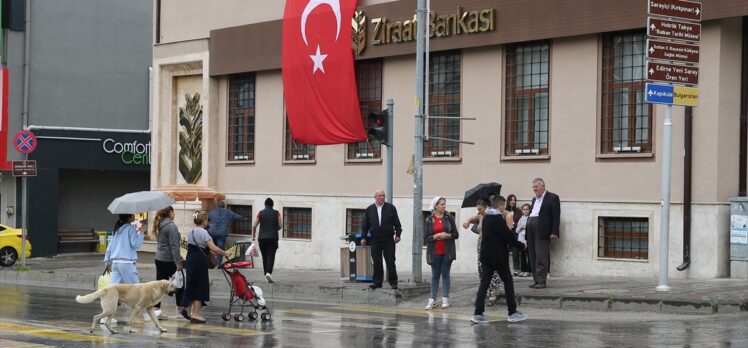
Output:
x=480 y=191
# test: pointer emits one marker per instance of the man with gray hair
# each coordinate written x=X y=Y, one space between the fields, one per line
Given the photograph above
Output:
x=218 y=225
x=542 y=227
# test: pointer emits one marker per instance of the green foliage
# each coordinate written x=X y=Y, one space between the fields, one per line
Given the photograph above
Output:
x=191 y=139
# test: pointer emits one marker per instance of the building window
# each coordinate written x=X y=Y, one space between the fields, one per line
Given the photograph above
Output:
x=369 y=77
x=241 y=126
x=241 y=226
x=623 y=238
x=295 y=151
x=626 y=121
x=425 y=214
x=354 y=221
x=444 y=101
x=527 y=81
x=297 y=223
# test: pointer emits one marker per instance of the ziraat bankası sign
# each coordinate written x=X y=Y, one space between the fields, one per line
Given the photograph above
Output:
x=383 y=30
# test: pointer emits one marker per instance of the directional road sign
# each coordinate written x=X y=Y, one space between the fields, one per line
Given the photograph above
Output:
x=24 y=168
x=674 y=52
x=672 y=95
x=674 y=30
x=25 y=142
x=671 y=73
x=689 y=10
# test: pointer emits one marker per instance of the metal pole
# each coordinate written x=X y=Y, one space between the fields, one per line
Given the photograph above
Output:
x=418 y=148
x=665 y=214
x=25 y=219
x=390 y=123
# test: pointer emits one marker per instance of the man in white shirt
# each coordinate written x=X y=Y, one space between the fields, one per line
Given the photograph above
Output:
x=382 y=228
x=542 y=227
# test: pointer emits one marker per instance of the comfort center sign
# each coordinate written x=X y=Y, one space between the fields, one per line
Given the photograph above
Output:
x=130 y=153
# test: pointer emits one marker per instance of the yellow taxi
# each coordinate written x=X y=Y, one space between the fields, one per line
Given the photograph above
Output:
x=10 y=245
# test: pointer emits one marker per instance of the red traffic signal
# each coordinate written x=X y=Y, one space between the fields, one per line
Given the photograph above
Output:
x=378 y=129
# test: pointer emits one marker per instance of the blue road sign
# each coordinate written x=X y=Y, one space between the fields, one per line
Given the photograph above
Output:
x=659 y=94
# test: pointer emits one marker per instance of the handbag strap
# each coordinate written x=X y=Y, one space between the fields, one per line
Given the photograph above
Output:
x=195 y=240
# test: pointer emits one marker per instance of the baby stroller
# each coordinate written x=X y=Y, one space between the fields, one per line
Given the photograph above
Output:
x=243 y=293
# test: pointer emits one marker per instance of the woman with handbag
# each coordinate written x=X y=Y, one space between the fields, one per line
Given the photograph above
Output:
x=200 y=248
x=168 y=260
x=440 y=233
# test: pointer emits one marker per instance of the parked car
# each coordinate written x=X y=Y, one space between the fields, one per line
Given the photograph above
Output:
x=10 y=245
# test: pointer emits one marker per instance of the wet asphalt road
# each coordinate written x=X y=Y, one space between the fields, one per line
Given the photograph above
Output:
x=40 y=317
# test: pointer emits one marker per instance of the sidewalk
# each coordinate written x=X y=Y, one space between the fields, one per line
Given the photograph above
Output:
x=692 y=296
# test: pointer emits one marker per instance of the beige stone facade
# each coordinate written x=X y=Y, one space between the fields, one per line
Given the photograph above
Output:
x=591 y=184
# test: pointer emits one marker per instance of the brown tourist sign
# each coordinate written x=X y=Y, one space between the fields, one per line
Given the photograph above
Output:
x=664 y=50
x=671 y=73
x=674 y=30
x=679 y=9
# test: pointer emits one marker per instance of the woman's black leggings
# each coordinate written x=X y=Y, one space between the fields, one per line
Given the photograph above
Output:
x=164 y=270
x=268 y=247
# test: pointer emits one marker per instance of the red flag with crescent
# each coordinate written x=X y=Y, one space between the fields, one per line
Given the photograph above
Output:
x=319 y=82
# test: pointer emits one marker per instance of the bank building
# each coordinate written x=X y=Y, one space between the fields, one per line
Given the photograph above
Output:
x=557 y=89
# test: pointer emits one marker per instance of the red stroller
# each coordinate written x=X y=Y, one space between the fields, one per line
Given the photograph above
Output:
x=243 y=293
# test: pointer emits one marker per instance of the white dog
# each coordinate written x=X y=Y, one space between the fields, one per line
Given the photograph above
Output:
x=137 y=297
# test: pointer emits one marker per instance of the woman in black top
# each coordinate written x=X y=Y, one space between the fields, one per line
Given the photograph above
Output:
x=269 y=221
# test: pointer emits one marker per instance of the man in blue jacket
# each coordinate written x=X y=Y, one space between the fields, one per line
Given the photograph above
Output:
x=218 y=227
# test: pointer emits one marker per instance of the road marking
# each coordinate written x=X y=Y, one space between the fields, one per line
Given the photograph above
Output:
x=18 y=344
x=414 y=313
x=215 y=328
x=151 y=331
x=12 y=328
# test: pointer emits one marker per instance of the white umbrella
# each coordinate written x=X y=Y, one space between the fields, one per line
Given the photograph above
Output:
x=138 y=202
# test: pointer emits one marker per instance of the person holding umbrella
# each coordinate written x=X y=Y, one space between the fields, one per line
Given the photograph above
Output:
x=122 y=252
x=494 y=256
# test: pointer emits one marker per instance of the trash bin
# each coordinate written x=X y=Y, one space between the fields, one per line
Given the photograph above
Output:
x=104 y=238
x=739 y=237
x=355 y=260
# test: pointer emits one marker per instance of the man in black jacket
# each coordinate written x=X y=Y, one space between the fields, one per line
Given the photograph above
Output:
x=382 y=222
x=542 y=227
x=494 y=256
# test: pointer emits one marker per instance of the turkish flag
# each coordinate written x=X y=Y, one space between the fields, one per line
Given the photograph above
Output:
x=319 y=81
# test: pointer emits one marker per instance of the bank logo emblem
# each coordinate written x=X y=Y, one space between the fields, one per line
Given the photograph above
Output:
x=359 y=32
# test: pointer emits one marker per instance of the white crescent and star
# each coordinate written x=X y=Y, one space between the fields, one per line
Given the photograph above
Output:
x=318 y=58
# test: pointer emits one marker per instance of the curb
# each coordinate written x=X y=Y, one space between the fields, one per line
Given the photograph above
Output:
x=342 y=294
x=305 y=293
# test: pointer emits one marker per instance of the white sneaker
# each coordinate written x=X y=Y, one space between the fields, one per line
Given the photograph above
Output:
x=445 y=302
x=517 y=317
x=431 y=304
x=157 y=313
x=268 y=277
x=103 y=320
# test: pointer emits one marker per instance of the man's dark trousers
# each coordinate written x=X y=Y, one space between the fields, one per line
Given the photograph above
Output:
x=384 y=247
x=485 y=280
x=540 y=252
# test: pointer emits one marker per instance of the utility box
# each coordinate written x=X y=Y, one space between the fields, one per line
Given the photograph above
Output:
x=739 y=237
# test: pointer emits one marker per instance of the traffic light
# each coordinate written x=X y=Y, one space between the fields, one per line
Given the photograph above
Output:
x=378 y=126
